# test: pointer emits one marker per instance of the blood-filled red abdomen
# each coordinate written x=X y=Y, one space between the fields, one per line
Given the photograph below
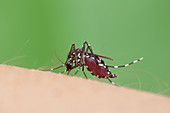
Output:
x=99 y=70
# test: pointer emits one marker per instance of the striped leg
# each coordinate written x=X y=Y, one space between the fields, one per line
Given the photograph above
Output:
x=112 y=82
x=89 y=48
x=53 y=68
x=126 y=64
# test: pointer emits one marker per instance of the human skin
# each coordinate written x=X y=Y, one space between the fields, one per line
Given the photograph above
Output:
x=33 y=91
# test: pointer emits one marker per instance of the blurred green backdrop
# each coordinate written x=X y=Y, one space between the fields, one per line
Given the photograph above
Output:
x=125 y=30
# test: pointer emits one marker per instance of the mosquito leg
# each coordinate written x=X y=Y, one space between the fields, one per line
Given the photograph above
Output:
x=77 y=71
x=112 y=82
x=53 y=68
x=68 y=72
x=82 y=62
x=84 y=72
x=126 y=64
x=83 y=51
x=89 y=48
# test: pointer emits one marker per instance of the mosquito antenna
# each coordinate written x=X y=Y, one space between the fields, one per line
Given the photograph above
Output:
x=54 y=62
x=57 y=57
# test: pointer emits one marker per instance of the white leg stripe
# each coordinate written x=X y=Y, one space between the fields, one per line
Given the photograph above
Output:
x=116 y=66
x=113 y=83
x=126 y=65
x=141 y=58
x=135 y=61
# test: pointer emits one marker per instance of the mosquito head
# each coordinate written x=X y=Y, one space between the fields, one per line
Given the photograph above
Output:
x=68 y=65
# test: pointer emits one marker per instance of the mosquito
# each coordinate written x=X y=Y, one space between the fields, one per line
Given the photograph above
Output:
x=84 y=57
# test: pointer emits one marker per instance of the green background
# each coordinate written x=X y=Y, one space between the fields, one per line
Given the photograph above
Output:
x=125 y=30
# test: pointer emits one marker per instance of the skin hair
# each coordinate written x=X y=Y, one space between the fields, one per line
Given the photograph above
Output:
x=33 y=91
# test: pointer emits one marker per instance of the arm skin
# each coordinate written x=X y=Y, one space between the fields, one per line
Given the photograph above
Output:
x=33 y=91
